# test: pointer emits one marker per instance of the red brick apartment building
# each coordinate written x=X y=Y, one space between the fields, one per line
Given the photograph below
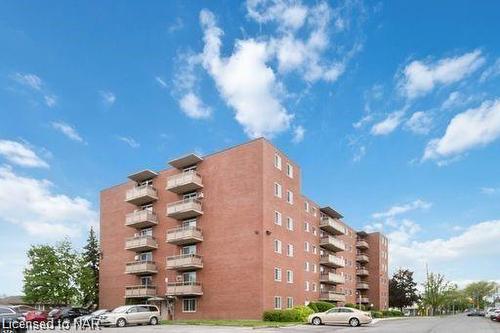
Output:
x=230 y=235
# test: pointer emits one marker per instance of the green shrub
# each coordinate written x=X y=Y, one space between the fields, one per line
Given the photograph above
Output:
x=303 y=312
x=297 y=314
x=320 y=306
x=377 y=314
x=350 y=305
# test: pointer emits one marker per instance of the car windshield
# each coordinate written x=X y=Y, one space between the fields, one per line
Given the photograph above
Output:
x=120 y=309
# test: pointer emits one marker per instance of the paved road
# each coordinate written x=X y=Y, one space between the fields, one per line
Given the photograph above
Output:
x=450 y=324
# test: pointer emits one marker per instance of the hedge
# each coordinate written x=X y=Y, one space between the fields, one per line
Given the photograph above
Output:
x=297 y=314
x=392 y=313
x=320 y=306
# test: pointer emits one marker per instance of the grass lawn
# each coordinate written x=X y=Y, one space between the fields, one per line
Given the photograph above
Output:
x=240 y=323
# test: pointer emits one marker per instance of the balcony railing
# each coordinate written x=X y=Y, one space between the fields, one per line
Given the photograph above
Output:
x=332 y=296
x=331 y=278
x=141 y=195
x=184 y=235
x=364 y=300
x=140 y=291
x=332 y=226
x=184 y=209
x=331 y=243
x=184 y=289
x=184 y=182
x=331 y=261
x=362 y=272
x=141 y=219
x=185 y=262
x=141 y=243
x=362 y=285
x=141 y=267
x=361 y=244
x=362 y=258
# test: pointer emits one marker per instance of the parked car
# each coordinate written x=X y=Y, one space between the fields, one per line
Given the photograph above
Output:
x=8 y=311
x=36 y=316
x=476 y=313
x=10 y=319
x=23 y=308
x=489 y=312
x=92 y=318
x=341 y=315
x=67 y=315
x=131 y=314
x=495 y=316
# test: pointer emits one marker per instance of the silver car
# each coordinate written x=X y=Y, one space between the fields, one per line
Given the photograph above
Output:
x=131 y=314
x=341 y=315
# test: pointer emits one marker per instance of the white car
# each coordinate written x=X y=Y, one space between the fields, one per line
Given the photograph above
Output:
x=490 y=312
x=341 y=315
x=131 y=314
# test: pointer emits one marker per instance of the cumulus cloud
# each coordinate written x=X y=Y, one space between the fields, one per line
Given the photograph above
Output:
x=21 y=154
x=129 y=141
x=419 y=123
x=473 y=128
x=401 y=209
x=44 y=213
x=389 y=124
x=68 y=130
x=193 y=107
x=108 y=98
x=421 y=76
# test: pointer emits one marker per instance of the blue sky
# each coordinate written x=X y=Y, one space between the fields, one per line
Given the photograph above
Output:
x=391 y=108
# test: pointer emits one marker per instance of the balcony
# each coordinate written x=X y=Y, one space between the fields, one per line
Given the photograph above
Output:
x=362 y=272
x=141 y=267
x=141 y=219
x=184 y=235
x=364 y=300
x=140 y=291
x=362 y=258
x=362 y=285
x=331 y=243
x=331 y=278
x=185 y=262
x=331 y=261
x=332 y=226
x=332 y=296
x=184 y=182
x=141 y=243
x=184 y=209
x=361 y=244
x=141 y=195
x=184 y=289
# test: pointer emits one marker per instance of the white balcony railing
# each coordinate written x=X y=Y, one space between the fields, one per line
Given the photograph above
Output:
x=185 y=262
x=141 y=243
x=332 y=261
x=141 y=267
x=140 y=291
x=184 y=182
x=332 y=226
x=141 y=219
x=184 y=289
x=331 y=243
x=184 y=235
x=140 y=195
x=184 y=209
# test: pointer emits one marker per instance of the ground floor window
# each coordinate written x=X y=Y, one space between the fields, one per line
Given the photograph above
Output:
x=277 y=302
x=189 y=305
x=289 y=302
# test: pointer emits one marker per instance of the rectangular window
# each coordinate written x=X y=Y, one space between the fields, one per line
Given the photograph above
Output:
x=289 y=251
x=314 y=211
x=289 y=302
x=277 y=246
x=315 y=249
x=315 y=233
x=145 y=232
x=277 y=218
x=188 y=249
x=189 y=305
x=306 y=266
x=314 y=286
x=289 y=197
x=306 y=227
x=277 y=274
x=189 y=276
x=277 y=161
x=306 y=246
x=289 y=170
x=189 y=223
x=277 y=190
x=289 y=223
x=307 y=286
x=277 y=302
x=314 y=268
x=289 y=276
x=306 y=206
x=146 y=256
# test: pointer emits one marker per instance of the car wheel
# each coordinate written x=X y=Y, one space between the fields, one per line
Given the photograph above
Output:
x=153 y=321
x=316 y=321
x=121 y=322
x=354 y=322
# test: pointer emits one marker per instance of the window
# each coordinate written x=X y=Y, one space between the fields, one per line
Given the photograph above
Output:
x=307 y=286
x=314 y=268
x=289 y=250
x=145 y=232
x=188 y=249
x=277 y=190
x=277 y=274
x=145 y=256
x=189 y=223
x=277 y=302
x=306 y=266
x=277 y=218
x=314 y=286
x=314 y=231
x=189 y=276
x=289 y=197
x=306 y=227
x=314 y=211
x=306 y=246
x=289 y=170
x=289 y=223
x=146 y=280
x=289 y=302
x=277 y=246
x=315 y=249
x=277 y=161
x=189 y=305
x=190 y=195
x=306 y=206
x=289 y=276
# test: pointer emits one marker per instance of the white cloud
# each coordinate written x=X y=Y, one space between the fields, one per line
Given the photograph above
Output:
x=193 y=107
x=491 y=72
x=33 y=205
x=50 y=100
x=35 y=83
x=472 y=128
x=388 y=125
x=359 y=154
x=420 y=77
x=490 y=190
x=401 y=209
x=161 y=82
x=108 y=97
x=67 y=130
x=419 y=123
x=129 y=141
x=21 y=154
x=298 y=134
x=363 y=121
x=177 y=25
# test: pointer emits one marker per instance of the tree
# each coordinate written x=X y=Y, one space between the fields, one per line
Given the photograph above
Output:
x=478 y=291
x=435 y=287
x=402 y=289
x=88 y=277
x=455 y=299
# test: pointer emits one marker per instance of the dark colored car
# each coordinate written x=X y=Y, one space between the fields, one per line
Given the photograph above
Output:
x=496 y=316
x=10 y=321
x=67 y=315
x=36 y=316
